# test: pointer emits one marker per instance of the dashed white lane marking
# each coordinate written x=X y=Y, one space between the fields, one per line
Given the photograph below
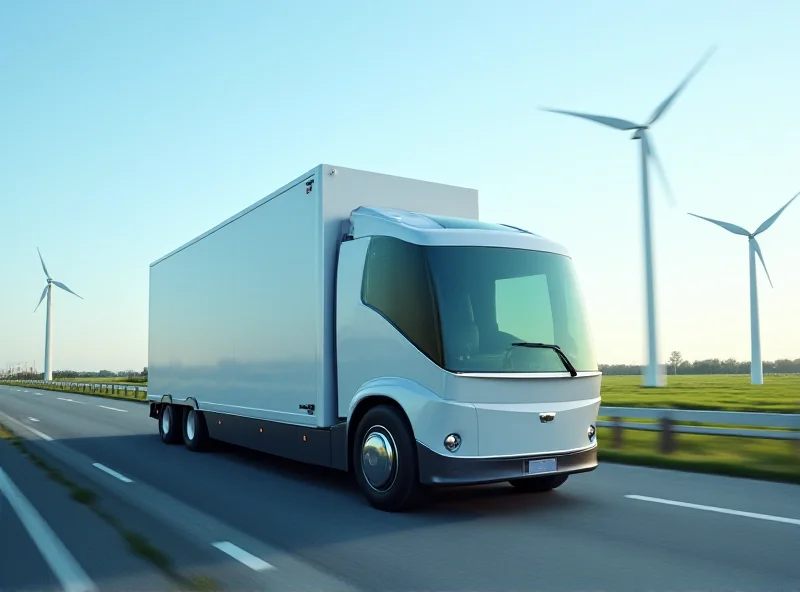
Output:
x=243 y=556
x=657 y=500
x=71 y=400
x=113 y=408
x=33 y=419
x=63 y=565
x=113 y=473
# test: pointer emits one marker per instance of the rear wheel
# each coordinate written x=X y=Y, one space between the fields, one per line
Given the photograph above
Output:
x=169 y=424
x=385 y=460
x=539 y=484
x=195 y=431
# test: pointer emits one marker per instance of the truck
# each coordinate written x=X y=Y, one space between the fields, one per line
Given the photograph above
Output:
x=374 y=324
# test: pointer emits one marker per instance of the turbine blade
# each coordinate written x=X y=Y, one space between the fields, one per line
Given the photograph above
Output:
x=726 y=225
x=760 y=256
x=64 y=287
x=668 y=101
x=43 y=265
x=42 y=298
x=771 y=220
x=615 y=122
x=650 y=152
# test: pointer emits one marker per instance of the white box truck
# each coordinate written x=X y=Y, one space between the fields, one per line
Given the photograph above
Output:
x=373 y=324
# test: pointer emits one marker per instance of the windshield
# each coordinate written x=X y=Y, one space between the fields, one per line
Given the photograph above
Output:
x=466 y=307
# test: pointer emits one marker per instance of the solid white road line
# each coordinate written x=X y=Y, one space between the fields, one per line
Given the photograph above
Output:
x=64 y=566
x=113 y=408
x=243 y=556
x=29 y=428
x=657 y=500
x=112 y=472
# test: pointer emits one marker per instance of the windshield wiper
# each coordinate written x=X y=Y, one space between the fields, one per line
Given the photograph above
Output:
x=561 y=355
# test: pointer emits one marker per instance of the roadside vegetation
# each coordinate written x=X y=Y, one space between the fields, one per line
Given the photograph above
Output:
x=775 y=460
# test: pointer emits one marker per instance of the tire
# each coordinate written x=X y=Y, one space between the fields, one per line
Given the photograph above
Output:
x=195 y=430
x=169 y=424
x=539 y=484
x=397 y=489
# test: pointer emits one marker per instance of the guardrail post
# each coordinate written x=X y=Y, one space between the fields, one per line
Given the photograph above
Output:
x=616 y=433
x=668 y=444
x=795 y=444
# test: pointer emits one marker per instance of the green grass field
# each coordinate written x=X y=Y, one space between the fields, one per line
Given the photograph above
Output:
x=725 y=392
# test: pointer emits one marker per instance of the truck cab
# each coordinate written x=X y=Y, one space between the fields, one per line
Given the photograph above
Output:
x=464 y=355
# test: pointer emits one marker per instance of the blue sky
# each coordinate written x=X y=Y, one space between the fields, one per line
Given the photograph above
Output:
x=129 y=128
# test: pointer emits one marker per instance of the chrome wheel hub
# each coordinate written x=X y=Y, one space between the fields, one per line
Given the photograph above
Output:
x=191 y=420
x=378 y=460
x=166 y=419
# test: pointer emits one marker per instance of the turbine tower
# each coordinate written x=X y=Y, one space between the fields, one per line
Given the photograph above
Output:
x=652 y=377
x=756 y=366
x=48 y=291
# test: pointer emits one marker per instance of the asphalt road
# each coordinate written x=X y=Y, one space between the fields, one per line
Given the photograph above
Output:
x=618 y=528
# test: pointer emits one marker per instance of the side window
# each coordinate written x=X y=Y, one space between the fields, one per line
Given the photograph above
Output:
x=523 y=308
x=396 y=283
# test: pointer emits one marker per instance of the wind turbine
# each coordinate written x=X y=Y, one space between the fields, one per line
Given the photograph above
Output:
x=756 y=367
x=48 y=291
x=652 y=376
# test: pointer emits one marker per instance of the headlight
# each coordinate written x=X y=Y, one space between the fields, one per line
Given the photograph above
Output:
x=591 y=433
x=452 y=442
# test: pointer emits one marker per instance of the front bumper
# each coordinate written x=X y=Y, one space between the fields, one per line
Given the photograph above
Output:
x=438 y=469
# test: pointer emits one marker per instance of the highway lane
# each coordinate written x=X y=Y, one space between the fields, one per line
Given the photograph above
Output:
x=587 y=535
x=197 y=545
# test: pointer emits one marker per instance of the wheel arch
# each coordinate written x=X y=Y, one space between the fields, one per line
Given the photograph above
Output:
x=361 y=408
x=409 y=398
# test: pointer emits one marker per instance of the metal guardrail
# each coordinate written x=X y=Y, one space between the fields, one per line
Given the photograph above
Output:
x=741 y=424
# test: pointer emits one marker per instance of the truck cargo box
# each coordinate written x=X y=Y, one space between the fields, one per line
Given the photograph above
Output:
x=242 y=317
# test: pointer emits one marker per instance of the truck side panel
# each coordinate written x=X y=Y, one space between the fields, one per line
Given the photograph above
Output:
x=235 y=317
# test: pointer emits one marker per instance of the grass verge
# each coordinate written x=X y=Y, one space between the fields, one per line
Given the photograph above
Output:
x=772 y=460
x=137 y=543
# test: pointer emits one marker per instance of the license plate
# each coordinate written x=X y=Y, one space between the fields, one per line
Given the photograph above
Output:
x=545 y=465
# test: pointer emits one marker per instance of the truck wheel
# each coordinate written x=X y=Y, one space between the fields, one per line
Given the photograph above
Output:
x=169 y=426
x=539 y=484
x=385 y=460
x=195 y=431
